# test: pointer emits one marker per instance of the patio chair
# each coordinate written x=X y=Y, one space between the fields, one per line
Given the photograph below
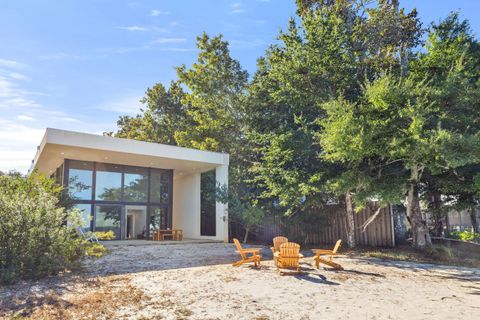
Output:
x=289 y=256
x=330 y=253
x=89 y=236
x=248 y=255
x=277 y=241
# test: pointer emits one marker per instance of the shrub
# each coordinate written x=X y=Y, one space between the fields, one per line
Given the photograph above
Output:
x=95 y=250
x=465 y=235
x=35 y=240
x=105 y=235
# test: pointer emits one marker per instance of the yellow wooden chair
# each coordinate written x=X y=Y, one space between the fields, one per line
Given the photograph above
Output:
x=277 y=242
x=330 y=253
x=289 y=256
x=248 y=255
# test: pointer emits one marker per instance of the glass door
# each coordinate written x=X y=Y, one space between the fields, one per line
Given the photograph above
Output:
x=135 y=222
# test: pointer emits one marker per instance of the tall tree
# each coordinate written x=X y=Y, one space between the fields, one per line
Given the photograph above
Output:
x=451 y=61
x=162 y=116
x=327 y=52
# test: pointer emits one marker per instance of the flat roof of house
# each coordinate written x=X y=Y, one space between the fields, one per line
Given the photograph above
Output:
x=58 y=145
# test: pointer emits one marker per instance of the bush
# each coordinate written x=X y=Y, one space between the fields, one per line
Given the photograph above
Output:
x=95 y=250
x=105 y=235
x=465 y=235
x=35 y=240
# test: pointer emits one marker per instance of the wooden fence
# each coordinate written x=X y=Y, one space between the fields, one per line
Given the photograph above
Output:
x=330 y=227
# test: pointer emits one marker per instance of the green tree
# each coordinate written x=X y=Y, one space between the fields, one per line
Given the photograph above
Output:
x=162 y=116
x=327 y=52
x=451 y=61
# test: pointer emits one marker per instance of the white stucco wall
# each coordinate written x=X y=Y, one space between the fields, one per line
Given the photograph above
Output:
x=186 y=206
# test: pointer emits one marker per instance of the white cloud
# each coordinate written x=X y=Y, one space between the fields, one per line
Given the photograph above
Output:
x=136 y=28
x=11 y=63
x=18 y=144
x=25 y=118
x=63 y=56
x=168 y=40
x=133 y=28
x=237 y=7
x=175 y=49
x=156 y=13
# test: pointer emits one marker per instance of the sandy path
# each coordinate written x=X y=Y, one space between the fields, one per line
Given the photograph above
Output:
x=197 y=282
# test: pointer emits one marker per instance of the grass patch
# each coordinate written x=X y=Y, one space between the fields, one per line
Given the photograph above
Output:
x=438 y=254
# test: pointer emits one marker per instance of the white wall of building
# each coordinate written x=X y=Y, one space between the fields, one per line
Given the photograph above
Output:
x=186 y=206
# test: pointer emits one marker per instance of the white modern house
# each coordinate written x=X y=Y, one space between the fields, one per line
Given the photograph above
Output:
x=133 y=188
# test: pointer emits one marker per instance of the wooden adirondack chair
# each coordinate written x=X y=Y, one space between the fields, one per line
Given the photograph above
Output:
x=248 y=255
x=330 y=253
x=289 y=256
x=277 y=241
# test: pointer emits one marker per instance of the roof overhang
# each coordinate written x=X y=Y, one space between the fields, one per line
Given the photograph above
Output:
x=58 y=145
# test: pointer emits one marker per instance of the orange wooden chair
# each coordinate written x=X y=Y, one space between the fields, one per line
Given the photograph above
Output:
x=277 y=242
x=289 y=256
x=248 y=255
x=330 y=253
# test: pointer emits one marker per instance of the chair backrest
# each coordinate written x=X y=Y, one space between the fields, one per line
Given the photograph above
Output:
x=289 y=254
x=277 y=242
x=239 y=247
x=337 y=246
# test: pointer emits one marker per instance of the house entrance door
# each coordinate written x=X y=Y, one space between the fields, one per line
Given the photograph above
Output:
x=135 y=226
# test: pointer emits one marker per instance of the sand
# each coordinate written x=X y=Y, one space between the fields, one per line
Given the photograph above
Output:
x=197 y=281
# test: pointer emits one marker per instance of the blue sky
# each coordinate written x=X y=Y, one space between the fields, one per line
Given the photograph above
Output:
x=78 y=65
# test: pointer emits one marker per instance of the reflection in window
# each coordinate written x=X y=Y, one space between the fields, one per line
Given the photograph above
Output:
x=160 y=187
x=158 y=220
x=108 y=185
x=136 y=184
x=85 y=216
x=207 y=204
x=107 y=218
x=80 y=177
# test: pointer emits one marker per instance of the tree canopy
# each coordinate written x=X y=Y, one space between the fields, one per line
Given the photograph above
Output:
x=354 y=101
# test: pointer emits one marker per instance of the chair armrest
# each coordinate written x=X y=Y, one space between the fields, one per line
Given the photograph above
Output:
x=322 y=251
x=251 y=250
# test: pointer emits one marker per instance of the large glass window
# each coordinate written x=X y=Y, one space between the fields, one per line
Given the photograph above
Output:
x=85 y=215
x=135 y=184
x=208 y=204
x=158 y=220
x=107 y=218
x=80 y=178
x=160 y=186
x=108 y=183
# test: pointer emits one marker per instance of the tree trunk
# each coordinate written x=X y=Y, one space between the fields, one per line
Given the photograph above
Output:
x=350 y=222
x=420 y=233
x=473 y=217
x=246 y=235
x=437 y=214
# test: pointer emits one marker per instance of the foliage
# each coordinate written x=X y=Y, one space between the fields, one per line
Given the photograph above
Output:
x=465 y=235
x=35 y=240
x=163 y=116
x=240 y=211
x=95 y=250
x=105 y=235
x=344 y=103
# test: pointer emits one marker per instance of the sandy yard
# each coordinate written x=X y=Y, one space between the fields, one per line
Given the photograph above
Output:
x=196 y=281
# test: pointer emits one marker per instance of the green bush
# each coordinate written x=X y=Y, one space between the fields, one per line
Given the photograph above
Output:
x=95 y=250
x=105 y=235
x=465 y=235
x=35 y=240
